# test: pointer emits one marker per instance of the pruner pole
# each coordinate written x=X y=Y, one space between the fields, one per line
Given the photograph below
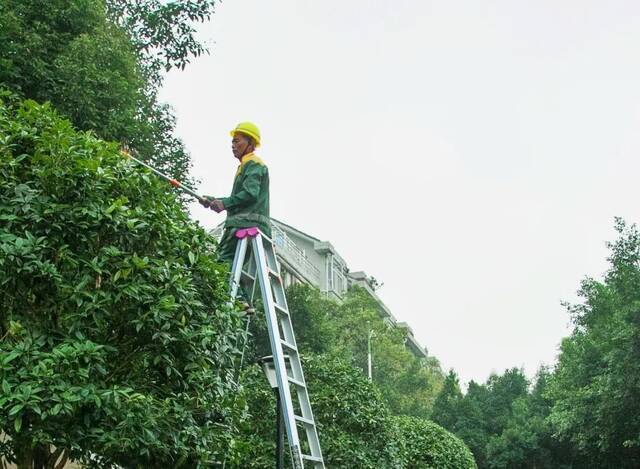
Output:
x=170 y=180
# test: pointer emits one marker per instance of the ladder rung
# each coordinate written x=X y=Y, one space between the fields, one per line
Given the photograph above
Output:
x=274 y=273
x=296 y=382
x=308 y=457
x=281 y=309
x=289 y=346
x=248 y=275
x=304 y=420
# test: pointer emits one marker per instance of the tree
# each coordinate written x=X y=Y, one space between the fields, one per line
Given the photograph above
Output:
x=408 y=384
x=527 y=441
x=595 y=388
x=163 y=33
x=116 y=341
x=447 y=404
x=483 y=412
x=313 y=318
x=503 y=391
x=518 y=445
x=99 y=63
x=472 y=426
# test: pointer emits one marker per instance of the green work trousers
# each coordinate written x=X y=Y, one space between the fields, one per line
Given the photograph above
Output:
x=227 y=246
x=227 y=252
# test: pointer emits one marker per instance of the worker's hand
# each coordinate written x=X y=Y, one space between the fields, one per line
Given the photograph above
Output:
x=205 y=201
x=217 y=205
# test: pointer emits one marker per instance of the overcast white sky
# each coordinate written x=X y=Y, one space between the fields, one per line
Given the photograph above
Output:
x=469 y=154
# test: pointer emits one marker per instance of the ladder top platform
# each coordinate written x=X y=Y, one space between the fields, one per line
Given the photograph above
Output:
x=244 y=232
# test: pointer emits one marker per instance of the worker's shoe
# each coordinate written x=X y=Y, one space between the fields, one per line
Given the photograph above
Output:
x=247 y=308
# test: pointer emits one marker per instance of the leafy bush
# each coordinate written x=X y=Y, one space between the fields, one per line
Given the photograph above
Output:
x=255 y=443
x=427 y=445
x=115 y=341
x=354 y=424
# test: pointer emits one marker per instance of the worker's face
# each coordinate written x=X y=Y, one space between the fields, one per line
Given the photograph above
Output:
x=240 y=145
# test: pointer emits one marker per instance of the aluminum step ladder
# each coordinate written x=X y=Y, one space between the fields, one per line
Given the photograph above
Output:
x=259 y=266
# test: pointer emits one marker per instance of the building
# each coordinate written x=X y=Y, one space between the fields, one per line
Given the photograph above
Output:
x=305 y=259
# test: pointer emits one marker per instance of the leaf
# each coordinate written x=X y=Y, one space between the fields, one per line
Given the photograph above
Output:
x=15 y=409
x=9 y=358
x=17 y=423
x=149 y=434
x=112 y=207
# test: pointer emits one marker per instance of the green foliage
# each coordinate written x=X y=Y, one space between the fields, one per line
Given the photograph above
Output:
x=115 y=340
x=527 y=441
x=354 y=423
x=313 y=316
x=354 y=420
x=99 y=61
x=447 y=404
x=427 y=445
x=503 y=391
x=472 y=425
x=585 y=413
x=483 y=412
x=255 y=441
x=408 y=384
x=518 y=445
x=354 y=415
x=163 y=32
x=595 y=389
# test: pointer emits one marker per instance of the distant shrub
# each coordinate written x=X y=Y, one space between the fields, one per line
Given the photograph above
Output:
x=428 y=445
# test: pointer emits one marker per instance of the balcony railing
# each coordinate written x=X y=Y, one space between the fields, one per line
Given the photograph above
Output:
x=295 y=256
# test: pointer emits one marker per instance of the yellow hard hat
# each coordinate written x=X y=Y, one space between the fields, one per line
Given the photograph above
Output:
x=248 y=128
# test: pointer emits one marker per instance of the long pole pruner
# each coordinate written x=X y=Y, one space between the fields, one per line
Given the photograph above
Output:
x=174 y=182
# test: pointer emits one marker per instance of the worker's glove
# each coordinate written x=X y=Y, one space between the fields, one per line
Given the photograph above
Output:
x=217 y=205
x=206 y=201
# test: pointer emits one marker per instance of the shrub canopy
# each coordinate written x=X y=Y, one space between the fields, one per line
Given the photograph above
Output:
x=115 y=340
x=427 y=445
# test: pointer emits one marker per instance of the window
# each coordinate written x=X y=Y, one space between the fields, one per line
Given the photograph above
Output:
x=339 y=280
x=329 y=264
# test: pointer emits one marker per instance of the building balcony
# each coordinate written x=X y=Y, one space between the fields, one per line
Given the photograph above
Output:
x=294 y=257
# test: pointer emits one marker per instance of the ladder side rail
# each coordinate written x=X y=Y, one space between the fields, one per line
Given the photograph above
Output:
x=270 y=254
x=287 y=332
x=311 y=430
x=236 y=269
x=296 y=368
x=276 y=349
x=305 y=407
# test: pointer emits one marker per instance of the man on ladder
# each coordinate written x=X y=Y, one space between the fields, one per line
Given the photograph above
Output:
x=247 y=220
x=247 y=208
x=248 y=204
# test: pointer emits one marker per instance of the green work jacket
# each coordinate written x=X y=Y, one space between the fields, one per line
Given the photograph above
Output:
x=248 y=204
